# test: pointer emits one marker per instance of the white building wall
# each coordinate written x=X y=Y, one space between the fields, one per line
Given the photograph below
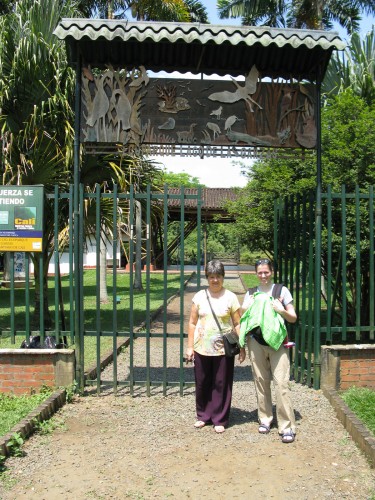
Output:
x=89 y=259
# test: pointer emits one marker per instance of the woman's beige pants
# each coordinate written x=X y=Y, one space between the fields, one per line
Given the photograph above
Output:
x=270 y=365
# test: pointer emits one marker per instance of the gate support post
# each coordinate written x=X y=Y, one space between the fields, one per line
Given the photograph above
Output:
x=78 y=334
x=318 y=239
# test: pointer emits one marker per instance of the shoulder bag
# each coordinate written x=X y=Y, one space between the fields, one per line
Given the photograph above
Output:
x=230 y=339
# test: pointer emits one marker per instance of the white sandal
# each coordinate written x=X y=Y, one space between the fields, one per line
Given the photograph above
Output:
x=199 y=424
x=288 y=436
x=219 y=429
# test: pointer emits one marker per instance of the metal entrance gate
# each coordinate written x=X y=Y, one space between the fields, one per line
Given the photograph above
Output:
x=148 y=356
x=138 y=236
x=337 y=305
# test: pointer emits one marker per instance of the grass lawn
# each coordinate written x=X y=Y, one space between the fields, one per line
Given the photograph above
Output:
x=250 y=280
x=362 y=402
x=15 y=408
x=95 y=319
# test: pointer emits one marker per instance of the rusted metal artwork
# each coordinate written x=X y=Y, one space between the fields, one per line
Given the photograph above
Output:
x=132 y=109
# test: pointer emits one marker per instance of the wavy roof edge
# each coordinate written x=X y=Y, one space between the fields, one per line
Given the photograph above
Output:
x=188 y=32
x=199 y=48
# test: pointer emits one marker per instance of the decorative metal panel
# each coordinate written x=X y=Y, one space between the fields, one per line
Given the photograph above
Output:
x=131 y=109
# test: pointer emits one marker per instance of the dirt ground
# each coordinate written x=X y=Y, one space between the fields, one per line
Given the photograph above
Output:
x=143 y=447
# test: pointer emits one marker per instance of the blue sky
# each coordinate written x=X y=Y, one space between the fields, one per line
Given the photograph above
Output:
x=366 y=23
x=221 y=172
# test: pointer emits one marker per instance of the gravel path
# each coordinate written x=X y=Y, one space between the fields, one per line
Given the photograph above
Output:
x=146 y=447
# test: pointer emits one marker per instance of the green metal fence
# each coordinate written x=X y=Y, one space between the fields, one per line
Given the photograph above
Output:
x=345 y=283
x=138 y=225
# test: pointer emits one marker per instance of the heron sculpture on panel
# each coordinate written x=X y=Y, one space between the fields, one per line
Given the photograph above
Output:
x=242 y=93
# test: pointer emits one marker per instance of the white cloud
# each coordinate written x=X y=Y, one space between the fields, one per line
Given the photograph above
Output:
x=212 y=172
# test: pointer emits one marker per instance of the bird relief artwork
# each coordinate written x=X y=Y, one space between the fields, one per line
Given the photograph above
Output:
x=111 y=102
x=131 y=108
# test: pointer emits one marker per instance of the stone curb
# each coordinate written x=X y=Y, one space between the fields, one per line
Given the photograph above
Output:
x=91 y=373
x=27 y=425
x=359 y=433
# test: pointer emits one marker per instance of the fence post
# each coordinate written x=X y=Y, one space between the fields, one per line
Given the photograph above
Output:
x=318 y=238
x=76 y=226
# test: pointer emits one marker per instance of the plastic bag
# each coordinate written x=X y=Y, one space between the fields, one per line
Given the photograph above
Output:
x=34 y=343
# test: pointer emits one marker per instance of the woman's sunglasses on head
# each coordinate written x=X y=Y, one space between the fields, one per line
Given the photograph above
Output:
x=262 y=261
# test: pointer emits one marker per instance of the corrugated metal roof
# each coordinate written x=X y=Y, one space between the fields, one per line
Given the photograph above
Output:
x=199 y=47
x=212 y=198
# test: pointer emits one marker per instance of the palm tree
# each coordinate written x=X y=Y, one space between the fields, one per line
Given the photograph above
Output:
x=354 y=68
x=36 y=96
x=147 y=10
x=36 y=89
x=309 y=14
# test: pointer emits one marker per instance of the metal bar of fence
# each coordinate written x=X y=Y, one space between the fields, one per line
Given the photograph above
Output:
x=293 y=245
x=27 y=296
x=297 y=298
x=357 y=264
x=155 y=383
x=131 y=289
x=114 y=286
x=97 y=274
x=182 y=273
x=199 y=236
x=276 y=219
x=12 y=298
x=56 y=260
x=371 y=263
x=343 y=262
x=71 y=265
x=285 y=275
x=311 y=304
x=337 y=282
x=278 y=271
x=349 y=329
x=165 y=281
x=317 y=284
x=292 y=264
x=330 y=312
x=79 y=306
x=78 y=214
x=147 y=322
x=41 y=297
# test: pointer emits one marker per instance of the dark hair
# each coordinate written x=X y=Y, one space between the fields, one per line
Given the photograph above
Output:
x=267 y=262
x=215 y=267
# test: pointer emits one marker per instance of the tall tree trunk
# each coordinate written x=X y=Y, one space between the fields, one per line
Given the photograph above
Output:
x=110 y=10
x=319 y=13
